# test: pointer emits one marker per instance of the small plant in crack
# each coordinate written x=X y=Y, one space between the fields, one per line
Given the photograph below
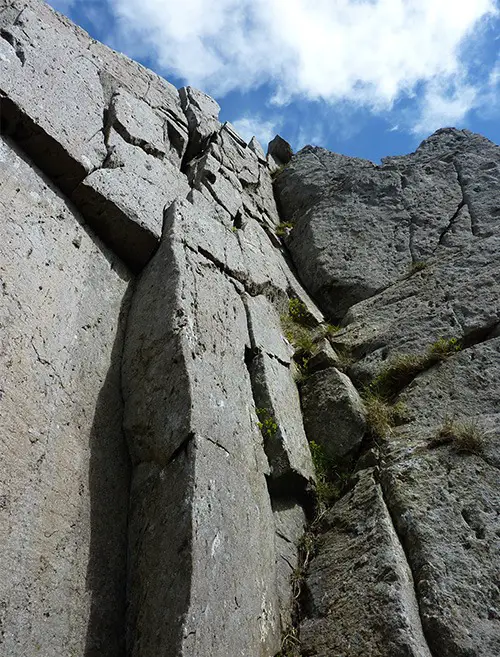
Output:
x=466 y=437
x=330 y=481
x=298 y=329
x=284 y=228
x=267 y=423
x=331 y=329
x=397 y=374
x=444 y=348
x=415 y=267
x=300 y=337
x=290 y=644
x=298 y=312
x=382 y=415
x=403 y=368
x=345 y=356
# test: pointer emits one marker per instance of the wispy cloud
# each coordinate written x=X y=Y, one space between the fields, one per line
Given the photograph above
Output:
x=264 y=130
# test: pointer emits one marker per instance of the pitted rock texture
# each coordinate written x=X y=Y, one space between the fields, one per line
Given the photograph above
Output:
x=384 y=219
x=406 y=254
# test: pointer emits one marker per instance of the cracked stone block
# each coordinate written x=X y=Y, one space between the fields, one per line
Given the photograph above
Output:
x=73 y=118
x=255 y=146
x=201 y=529
x=138 y=123
x=455 y=296
x=290 y=524
x=64 y=468
x=334 y=415
x=202 y=113
x=265 y=266
x=285 y=442
x=323 y=357
x=359 y=589
x=188 y=396
x=66 y=137
x=444 y=500
x=125 y=200
x=266 y=333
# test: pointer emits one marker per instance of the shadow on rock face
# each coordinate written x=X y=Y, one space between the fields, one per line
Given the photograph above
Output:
x=109 y=485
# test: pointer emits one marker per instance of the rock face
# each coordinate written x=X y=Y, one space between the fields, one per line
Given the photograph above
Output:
x=156 y=478
x=64 y=463
x=387 y=219
x=406 y=255
x=334 y=415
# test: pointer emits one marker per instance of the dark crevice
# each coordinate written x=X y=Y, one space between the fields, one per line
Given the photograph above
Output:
x=238 y=220
x=42 y=149
x=290 y=485
x=192 y=154
x=133 y=243
x=266 y=289
x=174 y=136
x=217 y=444
x=135 y=141
x=196 y=146
x=466 y=201
x=181 y=449
x=451 y=222
x=481 y=334
x=293 y=486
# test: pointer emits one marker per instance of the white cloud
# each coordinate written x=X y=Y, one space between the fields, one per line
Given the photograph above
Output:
x=445 y=106
x=249 y=126
x=367 y=52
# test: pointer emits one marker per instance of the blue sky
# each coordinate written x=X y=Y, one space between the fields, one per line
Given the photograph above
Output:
x=367 y=78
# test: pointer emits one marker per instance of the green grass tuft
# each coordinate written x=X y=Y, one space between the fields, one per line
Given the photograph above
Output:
x=403 y=368
x=466 y=437
x=417 y=266
x=267 y=423
x=382 y=415
x=283 y=228
x=298 y=312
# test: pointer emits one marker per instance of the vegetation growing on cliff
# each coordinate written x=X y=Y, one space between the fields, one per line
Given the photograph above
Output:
x=465 y=436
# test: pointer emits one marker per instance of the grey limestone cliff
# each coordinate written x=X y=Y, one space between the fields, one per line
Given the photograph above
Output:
x=166 y=367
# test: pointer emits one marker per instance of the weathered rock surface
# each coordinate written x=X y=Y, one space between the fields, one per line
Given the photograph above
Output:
x=113 y=135
x=64 y=473
x=360 y=227
x=407 y=254
x=334 y=415
x=360 y=592
x=156 y=476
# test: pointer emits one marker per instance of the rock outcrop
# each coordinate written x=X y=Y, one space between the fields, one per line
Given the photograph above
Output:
x=165 y=371
x=405 y=255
